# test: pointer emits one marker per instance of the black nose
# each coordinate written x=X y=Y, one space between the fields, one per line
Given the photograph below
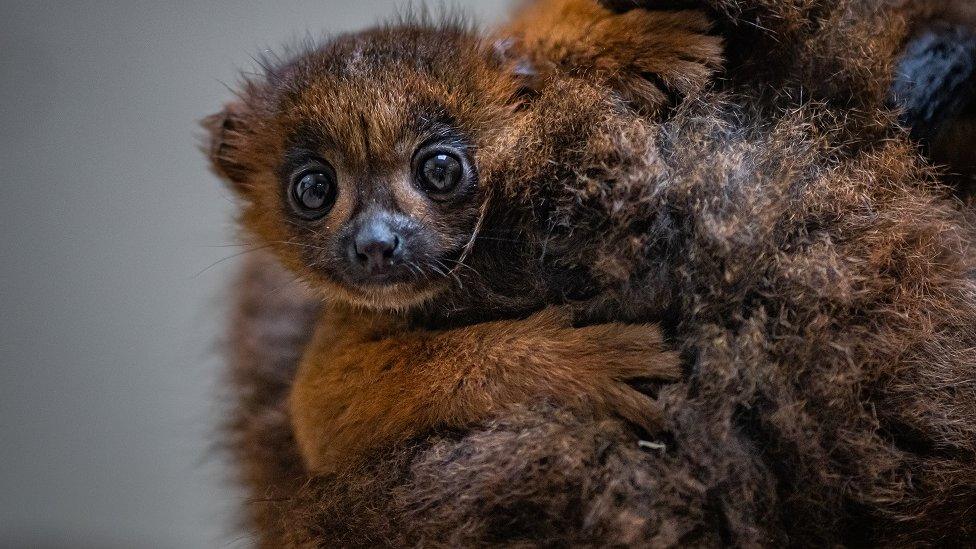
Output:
x=377 y=246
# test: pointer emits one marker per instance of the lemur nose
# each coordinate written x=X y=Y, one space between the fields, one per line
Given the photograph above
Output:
x=377 y=246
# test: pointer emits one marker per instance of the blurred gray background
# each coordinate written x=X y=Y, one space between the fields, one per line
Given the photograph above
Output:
x=111 y=271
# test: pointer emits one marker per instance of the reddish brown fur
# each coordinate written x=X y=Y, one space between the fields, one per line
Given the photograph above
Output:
x=360 y=388
x=820 y=288
x=673 y=48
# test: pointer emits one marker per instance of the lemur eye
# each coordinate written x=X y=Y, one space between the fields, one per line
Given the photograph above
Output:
x=314 y=193
x=440 y=172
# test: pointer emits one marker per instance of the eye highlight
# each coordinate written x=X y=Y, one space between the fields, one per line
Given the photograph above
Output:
x=313 y=192
x=439 y=172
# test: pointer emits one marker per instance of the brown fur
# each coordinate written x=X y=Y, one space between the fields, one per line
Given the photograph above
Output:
x=819 y=286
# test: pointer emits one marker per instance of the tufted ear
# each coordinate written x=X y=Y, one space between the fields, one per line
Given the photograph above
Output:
x=223 y=144
x=506 y=52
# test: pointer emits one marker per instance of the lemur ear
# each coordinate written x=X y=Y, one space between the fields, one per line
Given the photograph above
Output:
x=507 y=53
x=226 y=131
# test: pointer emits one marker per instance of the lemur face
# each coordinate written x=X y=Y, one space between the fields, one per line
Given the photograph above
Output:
x=378 y=191
x=363 y=163
x=378 y=223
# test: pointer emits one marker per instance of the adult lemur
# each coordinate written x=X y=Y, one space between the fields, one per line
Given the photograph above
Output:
x=818 y=286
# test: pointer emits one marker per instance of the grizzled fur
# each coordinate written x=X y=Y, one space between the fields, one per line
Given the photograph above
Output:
x=820 y=289
x=826 y=308
x=534 y=476
x=862 y=54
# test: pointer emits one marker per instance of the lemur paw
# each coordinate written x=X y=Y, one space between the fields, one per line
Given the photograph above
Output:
x=605 y=361
x=625 y=355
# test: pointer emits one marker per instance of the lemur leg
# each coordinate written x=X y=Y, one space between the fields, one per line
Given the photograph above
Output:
x=652 y=58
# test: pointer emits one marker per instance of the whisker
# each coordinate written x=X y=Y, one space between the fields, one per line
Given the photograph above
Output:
x=315 y=233
x=453 y=273
x=219 y=261
x=482 y=237
x=445 y=271
x=459 y=264
x=299 y=244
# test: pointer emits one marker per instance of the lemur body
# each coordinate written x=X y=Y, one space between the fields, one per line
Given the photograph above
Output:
x=381 y=167
x=817 y=283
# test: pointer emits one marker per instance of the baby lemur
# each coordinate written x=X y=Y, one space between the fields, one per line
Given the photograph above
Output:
x=400 y=173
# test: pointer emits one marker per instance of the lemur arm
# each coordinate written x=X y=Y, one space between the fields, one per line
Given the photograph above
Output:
x=362 y=386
